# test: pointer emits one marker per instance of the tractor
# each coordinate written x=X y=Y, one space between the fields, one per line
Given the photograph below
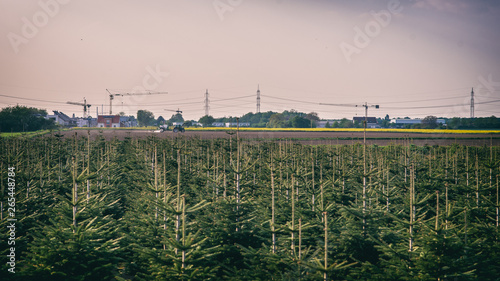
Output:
x=178 y=128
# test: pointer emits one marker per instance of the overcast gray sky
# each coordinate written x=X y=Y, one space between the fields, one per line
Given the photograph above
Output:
x=413 y=58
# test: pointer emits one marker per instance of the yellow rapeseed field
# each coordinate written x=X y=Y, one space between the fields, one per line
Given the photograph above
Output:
x=424 y=131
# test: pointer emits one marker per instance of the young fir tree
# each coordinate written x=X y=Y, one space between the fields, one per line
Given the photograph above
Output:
x=80 y=242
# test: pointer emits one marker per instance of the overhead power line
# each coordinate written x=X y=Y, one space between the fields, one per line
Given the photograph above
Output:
x=438 y=106
x=300 y=101
x=232 y=105
x=234 y=98
x=21 y=98
x=449 y=98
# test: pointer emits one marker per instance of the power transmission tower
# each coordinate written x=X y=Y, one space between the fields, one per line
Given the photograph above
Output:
x=207 y=107
x=258 y=99
x=472 y=103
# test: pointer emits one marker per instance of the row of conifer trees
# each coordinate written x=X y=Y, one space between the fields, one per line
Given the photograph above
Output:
x=230 y=209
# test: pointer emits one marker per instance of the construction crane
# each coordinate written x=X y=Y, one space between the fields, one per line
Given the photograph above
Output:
x=112 y=96
x=178 y=111
x=365 y=105
x=84 y=104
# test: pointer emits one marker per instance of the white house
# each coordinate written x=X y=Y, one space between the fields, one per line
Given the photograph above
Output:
x=234 y=124
x=61 y=118
x=86 y=122
x=414 y=121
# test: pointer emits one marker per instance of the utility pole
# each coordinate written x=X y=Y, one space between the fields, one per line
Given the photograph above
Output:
x=365 y=105
x=207 y=107
x=364 y=124
x=364 y=161
x=111 y=97
x=258 y=99
x=238 y=129
x=366 y=119
x=472 y=103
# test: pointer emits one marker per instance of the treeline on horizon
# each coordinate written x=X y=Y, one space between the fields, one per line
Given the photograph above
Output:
x=295 y=119
x=26 y=119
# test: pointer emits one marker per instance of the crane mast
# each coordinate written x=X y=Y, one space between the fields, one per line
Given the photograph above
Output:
x=84 y=104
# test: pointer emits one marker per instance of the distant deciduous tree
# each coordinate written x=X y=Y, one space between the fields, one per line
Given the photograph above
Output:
x=22 y=119
x=300 y=122
x=313 y=118
x=145 y=117
x=176 y=118
x=429 y=122
x=346 y=123
x=276 y=121
x=206 y=120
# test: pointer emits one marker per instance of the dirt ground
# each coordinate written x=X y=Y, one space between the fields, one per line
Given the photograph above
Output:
x=332 y=138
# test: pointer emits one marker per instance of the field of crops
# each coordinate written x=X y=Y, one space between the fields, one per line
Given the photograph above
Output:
x=90 y=208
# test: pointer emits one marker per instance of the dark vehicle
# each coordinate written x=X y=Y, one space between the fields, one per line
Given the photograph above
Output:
x=175 y=128
x=178 y=128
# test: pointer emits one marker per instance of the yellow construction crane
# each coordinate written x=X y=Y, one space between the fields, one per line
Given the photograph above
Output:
x=112 y=96
x=84 y=104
